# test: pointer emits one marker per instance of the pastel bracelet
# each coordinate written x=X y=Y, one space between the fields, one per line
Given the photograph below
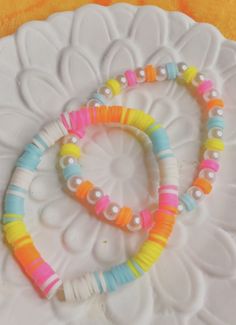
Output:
x=42 y=275
x=213 y=105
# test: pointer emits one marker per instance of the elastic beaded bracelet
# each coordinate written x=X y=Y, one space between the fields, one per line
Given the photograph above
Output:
x=42 y=275
x=91 y=195
x=213 y=105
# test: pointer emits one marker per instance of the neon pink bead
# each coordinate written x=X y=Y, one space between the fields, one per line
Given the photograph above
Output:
x=131 y=78
x=64 y=121
x=86 y=116
x=168 y=199
x=211 y=164
x=77 y=123
x=102 y=204
x=146 y=219
x=204 y=87
x=42 y=273
x=172 y=187
x=81 y=121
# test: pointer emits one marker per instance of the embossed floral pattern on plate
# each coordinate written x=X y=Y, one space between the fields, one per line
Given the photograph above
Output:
x=51 y=66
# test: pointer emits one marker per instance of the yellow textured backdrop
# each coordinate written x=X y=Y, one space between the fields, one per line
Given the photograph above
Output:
x=220 y=13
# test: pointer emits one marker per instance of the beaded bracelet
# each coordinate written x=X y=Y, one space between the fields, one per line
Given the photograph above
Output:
x=42 y=275
x=90 y=195
x=212 y=103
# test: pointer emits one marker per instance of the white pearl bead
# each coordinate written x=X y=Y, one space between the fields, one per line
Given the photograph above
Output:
x=135 y=224
x=93 y=103
x=112 y=211
x=67 y=160
x=216 y=111
x=161 y=73
x=217 y=133
x=73 y=183
x=180 y=208
x=140 y=74
x=210 y=154
x=122 y=80
x=94 y=195
x=105 y=91
x=198 y=79
x=208 y=174
x=196 y=193
x=182 y=67
x=70 y=139
x=213 y=93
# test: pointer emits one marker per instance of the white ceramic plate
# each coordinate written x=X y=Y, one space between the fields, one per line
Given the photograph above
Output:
x=51 y=66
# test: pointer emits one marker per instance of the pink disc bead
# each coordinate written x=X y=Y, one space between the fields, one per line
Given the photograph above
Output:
x=146 y=219
x=77 y=121
x=42 y=274
x=102 y=204
x=211 y=164
x=86 y=116
x=131 y=78
x=73 y=129
x=45 y=278
x=204 y=87
x=168 y=199
x=171 y=187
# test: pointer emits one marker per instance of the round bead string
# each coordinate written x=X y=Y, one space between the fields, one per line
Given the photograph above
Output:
x=212 y=104
x=42 y=275
x=85 y=191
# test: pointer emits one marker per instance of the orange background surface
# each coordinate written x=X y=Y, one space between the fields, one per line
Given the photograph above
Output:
x=221 y=13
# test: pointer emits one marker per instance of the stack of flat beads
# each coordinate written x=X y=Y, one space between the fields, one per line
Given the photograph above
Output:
x=213 y=105
x=84 y=190
x=43 y=276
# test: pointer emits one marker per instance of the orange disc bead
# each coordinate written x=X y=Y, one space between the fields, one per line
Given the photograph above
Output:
x=150 y=73
x=203 y=184
x=215 y=103
x=83 y=189
x=124 y=217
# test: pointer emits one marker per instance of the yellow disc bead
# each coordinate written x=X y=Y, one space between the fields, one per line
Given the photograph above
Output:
x=147 y=122
x=148 y=254
x=142 y=263
x=115 y=86
x=190 y=74
x=14 y=231
x=214 y=144
x=137 y=116
x=131 y=117
x=70 y=149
